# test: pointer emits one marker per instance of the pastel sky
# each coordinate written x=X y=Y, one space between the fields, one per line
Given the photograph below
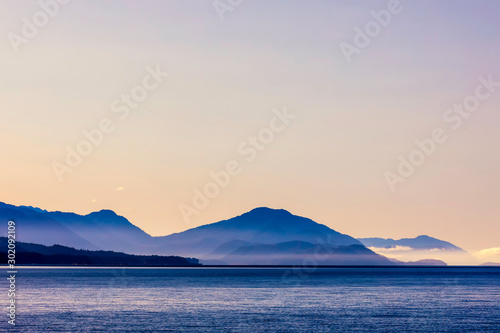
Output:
x=225 y=78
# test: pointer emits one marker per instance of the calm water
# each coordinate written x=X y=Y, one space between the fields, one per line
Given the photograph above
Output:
x=258 y=300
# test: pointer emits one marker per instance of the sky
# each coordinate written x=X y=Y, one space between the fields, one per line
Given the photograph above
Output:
x=267 y=90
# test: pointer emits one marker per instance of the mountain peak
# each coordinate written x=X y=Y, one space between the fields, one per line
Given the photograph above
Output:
x=107 y=212
x=261 y=225
x=268 y=211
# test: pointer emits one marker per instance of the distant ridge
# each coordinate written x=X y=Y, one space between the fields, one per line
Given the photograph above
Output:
x=422 y=242
x=491 y=264
x=262 y=235
x=422 y=262
x=103 y=230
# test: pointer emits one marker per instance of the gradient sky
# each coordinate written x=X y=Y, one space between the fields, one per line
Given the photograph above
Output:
x=353 y=120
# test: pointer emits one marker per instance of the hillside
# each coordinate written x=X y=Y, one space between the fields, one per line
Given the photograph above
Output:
x=37 y=254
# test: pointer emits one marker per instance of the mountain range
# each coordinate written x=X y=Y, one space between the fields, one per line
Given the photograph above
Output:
x=262 y=236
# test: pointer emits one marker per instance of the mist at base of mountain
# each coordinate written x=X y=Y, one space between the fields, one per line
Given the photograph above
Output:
x=305 y=254
x=37 y=254
x=422 y=262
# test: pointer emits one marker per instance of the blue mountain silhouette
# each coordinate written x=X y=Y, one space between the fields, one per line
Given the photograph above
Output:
x=259 y=226
x=422 y=242
x=261 y=236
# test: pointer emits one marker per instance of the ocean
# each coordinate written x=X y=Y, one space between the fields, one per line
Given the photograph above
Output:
x=256 y=300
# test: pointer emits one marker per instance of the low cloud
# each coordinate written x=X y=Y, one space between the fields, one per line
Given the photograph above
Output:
x=491 y=254
x=397 y=248
x=407 y=253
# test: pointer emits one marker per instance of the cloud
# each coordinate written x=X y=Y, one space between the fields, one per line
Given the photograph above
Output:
x=120 y=188
x=397 y=248
x=489 y=253
x=407 y=253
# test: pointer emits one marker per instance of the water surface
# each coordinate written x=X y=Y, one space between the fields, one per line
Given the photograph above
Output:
x=258 y=300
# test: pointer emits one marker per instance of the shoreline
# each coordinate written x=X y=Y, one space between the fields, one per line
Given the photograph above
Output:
x=251 y=266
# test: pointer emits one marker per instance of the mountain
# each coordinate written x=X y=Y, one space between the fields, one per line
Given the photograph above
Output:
x=39 y=227
x=263 y=235
x=426 y=262
x=491 y=264
x=37 y=254
x=419 y=248
x=259 y=226
x=304 y=253
x=422 y=262
x=103 y=230
x=419 y=243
